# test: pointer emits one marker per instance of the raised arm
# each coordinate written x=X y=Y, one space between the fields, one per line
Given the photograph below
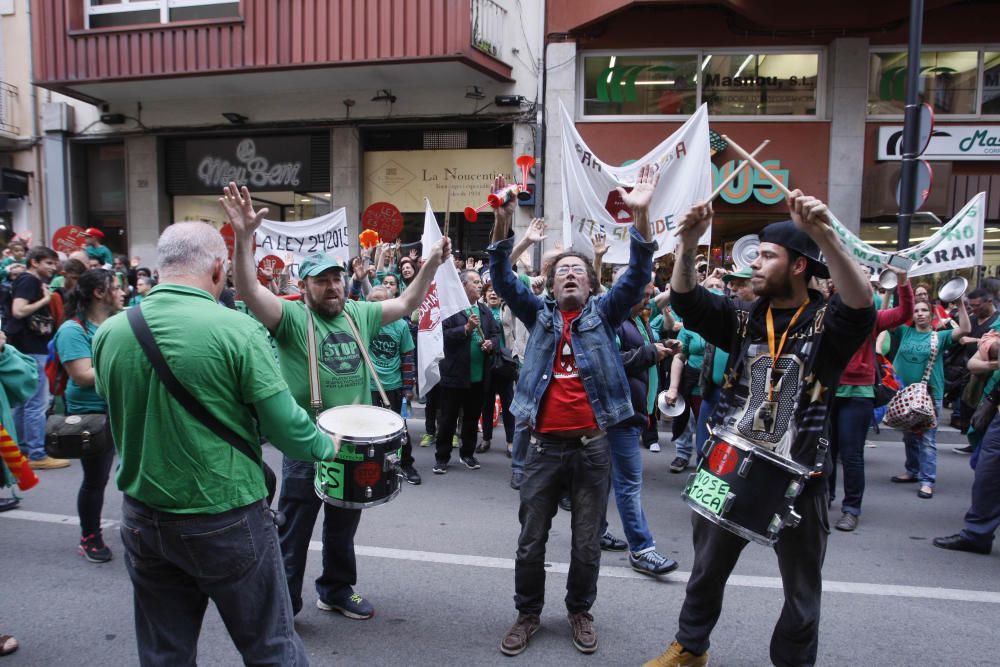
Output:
x=691 y=228
x=964 y=325
x=245 y=220
x=534 y=234
x=414 y=294
x=600 y=241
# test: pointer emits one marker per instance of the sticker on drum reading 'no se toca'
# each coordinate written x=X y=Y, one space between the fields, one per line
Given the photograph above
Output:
x=708 y=491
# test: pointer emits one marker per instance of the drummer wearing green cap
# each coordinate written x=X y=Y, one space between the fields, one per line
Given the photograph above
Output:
x=344 y=380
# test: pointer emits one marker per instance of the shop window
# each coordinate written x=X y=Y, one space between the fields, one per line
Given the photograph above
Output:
x=948 y=82
x=117 y=13
x=765 y=84
x=283 y=206
x=640 y=85
x=991 y=83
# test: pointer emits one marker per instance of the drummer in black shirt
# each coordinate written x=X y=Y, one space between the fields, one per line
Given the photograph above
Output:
x=786 y=411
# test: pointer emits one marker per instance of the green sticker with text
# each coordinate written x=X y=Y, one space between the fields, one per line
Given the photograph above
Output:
x=330 y=480
x=708 y=491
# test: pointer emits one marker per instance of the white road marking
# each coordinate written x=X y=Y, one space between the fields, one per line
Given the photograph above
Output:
x=608 y=571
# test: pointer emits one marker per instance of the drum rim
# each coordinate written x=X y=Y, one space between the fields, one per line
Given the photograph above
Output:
x=348 y=504
x=367 y=440
x=791 y=465
x=731 y=526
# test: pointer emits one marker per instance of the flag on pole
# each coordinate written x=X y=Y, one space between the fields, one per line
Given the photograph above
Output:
x=444 y=298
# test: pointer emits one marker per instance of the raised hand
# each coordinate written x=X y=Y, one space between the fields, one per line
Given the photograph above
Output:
x=536 y=231
x=642 y=191
x=809 y=214
x=694 y=224
x=414 y=255
x=238 y=205
x=600 y=241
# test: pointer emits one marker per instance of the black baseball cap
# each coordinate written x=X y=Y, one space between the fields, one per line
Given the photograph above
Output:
x=788 y=236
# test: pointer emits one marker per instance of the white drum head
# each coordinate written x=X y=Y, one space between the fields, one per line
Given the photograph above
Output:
x=360 y=422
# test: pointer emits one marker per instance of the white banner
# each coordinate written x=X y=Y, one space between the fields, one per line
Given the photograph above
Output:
x=957 y=245
x=279 y=244
x=591 y=203
x=445 y=297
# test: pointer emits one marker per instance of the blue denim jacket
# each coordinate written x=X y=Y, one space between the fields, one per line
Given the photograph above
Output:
x=593 y=334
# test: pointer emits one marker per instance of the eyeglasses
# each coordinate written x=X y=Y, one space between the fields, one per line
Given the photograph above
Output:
x=575 y=269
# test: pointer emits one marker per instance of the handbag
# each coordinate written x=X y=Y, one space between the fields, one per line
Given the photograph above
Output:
x=41 y=325
x=148 y=344
x=886 y=386
x=77 y=436
x=504 y=365
x=913 y=409
x=985 y=411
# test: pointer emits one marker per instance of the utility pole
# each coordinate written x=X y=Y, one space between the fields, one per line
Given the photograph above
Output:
x=911 y=126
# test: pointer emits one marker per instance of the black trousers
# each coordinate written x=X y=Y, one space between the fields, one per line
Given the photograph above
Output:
x=505 y=389
x=395 y=397
x=800 y=552
x=431 y=410
x=467 y=401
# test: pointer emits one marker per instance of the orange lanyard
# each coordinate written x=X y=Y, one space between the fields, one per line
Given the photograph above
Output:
x=770 y=343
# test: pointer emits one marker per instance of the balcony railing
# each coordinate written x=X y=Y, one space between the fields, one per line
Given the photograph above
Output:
x=487 y=27
x=8 y=109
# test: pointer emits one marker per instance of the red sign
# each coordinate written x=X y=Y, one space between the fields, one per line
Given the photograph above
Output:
x=366 y=474
x=68 y=239
x=385 y=219
x=615 y=205
x=269 y=266
x=722 y=460
x=229 y=236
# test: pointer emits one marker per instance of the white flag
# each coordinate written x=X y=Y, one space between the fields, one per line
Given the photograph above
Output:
x=591 y=202
x=445 y=297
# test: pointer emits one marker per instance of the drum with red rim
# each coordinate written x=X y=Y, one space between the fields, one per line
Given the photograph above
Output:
x=365 y=472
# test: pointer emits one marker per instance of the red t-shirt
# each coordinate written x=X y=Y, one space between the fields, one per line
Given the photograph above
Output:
x=565 y=406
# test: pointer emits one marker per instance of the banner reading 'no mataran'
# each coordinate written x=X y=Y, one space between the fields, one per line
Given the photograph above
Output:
x=591 y=202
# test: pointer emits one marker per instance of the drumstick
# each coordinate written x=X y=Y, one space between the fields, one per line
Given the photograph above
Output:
x=759 y=167
x=447 y=211
x=732 y=176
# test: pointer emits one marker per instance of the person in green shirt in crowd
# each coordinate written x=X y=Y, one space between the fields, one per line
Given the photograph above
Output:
x=17 y=251
x=910 y=362
x=344 y=380
x=143 y=284
x=94 y=248
x=392 y=355
x=685 y=369
x=195 y=521
x=95 y=297
x=495 y=385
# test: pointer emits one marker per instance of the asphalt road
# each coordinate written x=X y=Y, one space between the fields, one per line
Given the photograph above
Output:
x=437 y=563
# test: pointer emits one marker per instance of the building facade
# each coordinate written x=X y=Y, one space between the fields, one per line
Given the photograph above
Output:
x=314 y=104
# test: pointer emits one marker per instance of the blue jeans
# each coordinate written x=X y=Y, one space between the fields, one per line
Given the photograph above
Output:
x=701 y=432
x=522 y=439
x=921 y=452
x=29 y=417
x=550 y=469
x=300 y=505
x=851 y=417
x=178 y=562
x=983 y=517
x=626 y=481
x=684 y=443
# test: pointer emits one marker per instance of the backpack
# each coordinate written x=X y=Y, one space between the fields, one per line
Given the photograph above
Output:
x=55 y=372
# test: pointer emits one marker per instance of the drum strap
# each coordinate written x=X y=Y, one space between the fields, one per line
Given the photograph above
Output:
x=315 y=399
x=368 y=361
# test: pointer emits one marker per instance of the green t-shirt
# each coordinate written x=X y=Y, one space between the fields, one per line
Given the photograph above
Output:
x=496 y=316
x=343 y=374
x=170 y=460
x=914 y=353
x=101 y=253
x=477 y=359
x=72 y=344
x=719 y=361
x=855 y=391
x=386 y=350
x=693 y=347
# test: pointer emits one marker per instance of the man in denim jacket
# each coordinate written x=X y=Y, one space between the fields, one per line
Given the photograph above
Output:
x=572 y=388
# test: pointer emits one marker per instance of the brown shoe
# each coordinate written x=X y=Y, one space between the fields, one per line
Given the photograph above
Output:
x=584 y=634
x=516 y=639
x=678 y=656
x=48 y=463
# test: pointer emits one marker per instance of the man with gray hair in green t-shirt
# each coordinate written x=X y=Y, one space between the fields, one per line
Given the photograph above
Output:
x=195 y=523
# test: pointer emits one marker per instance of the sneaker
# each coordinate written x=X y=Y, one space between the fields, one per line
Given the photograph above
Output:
x=584 y=634
x=651 y=562
x=48 y=463
x=483 y=447
x=679 y=464
x=516 y=639
x=93 y=548
x=678 y=656
x=411 y=475
x=510 y=449
x=847 y=523
x=454 y=441
x=427 y=440
x=470 y=462
x=516 y=479
x=352 y=606
x=655 y=448
x=968 y=449
x=440 y=468
x=611 y=543
x=566 y=503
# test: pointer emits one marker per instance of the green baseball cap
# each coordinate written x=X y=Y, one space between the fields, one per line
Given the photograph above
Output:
x=317 y=263
x=742 y=272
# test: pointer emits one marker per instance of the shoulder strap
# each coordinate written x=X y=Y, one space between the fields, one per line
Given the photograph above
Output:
x=930 y=363
x=364 y=353
x=315 y=398
x=141 y=330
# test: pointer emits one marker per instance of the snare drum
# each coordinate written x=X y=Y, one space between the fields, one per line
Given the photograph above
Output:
x=365 y=472
x=748 y=490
